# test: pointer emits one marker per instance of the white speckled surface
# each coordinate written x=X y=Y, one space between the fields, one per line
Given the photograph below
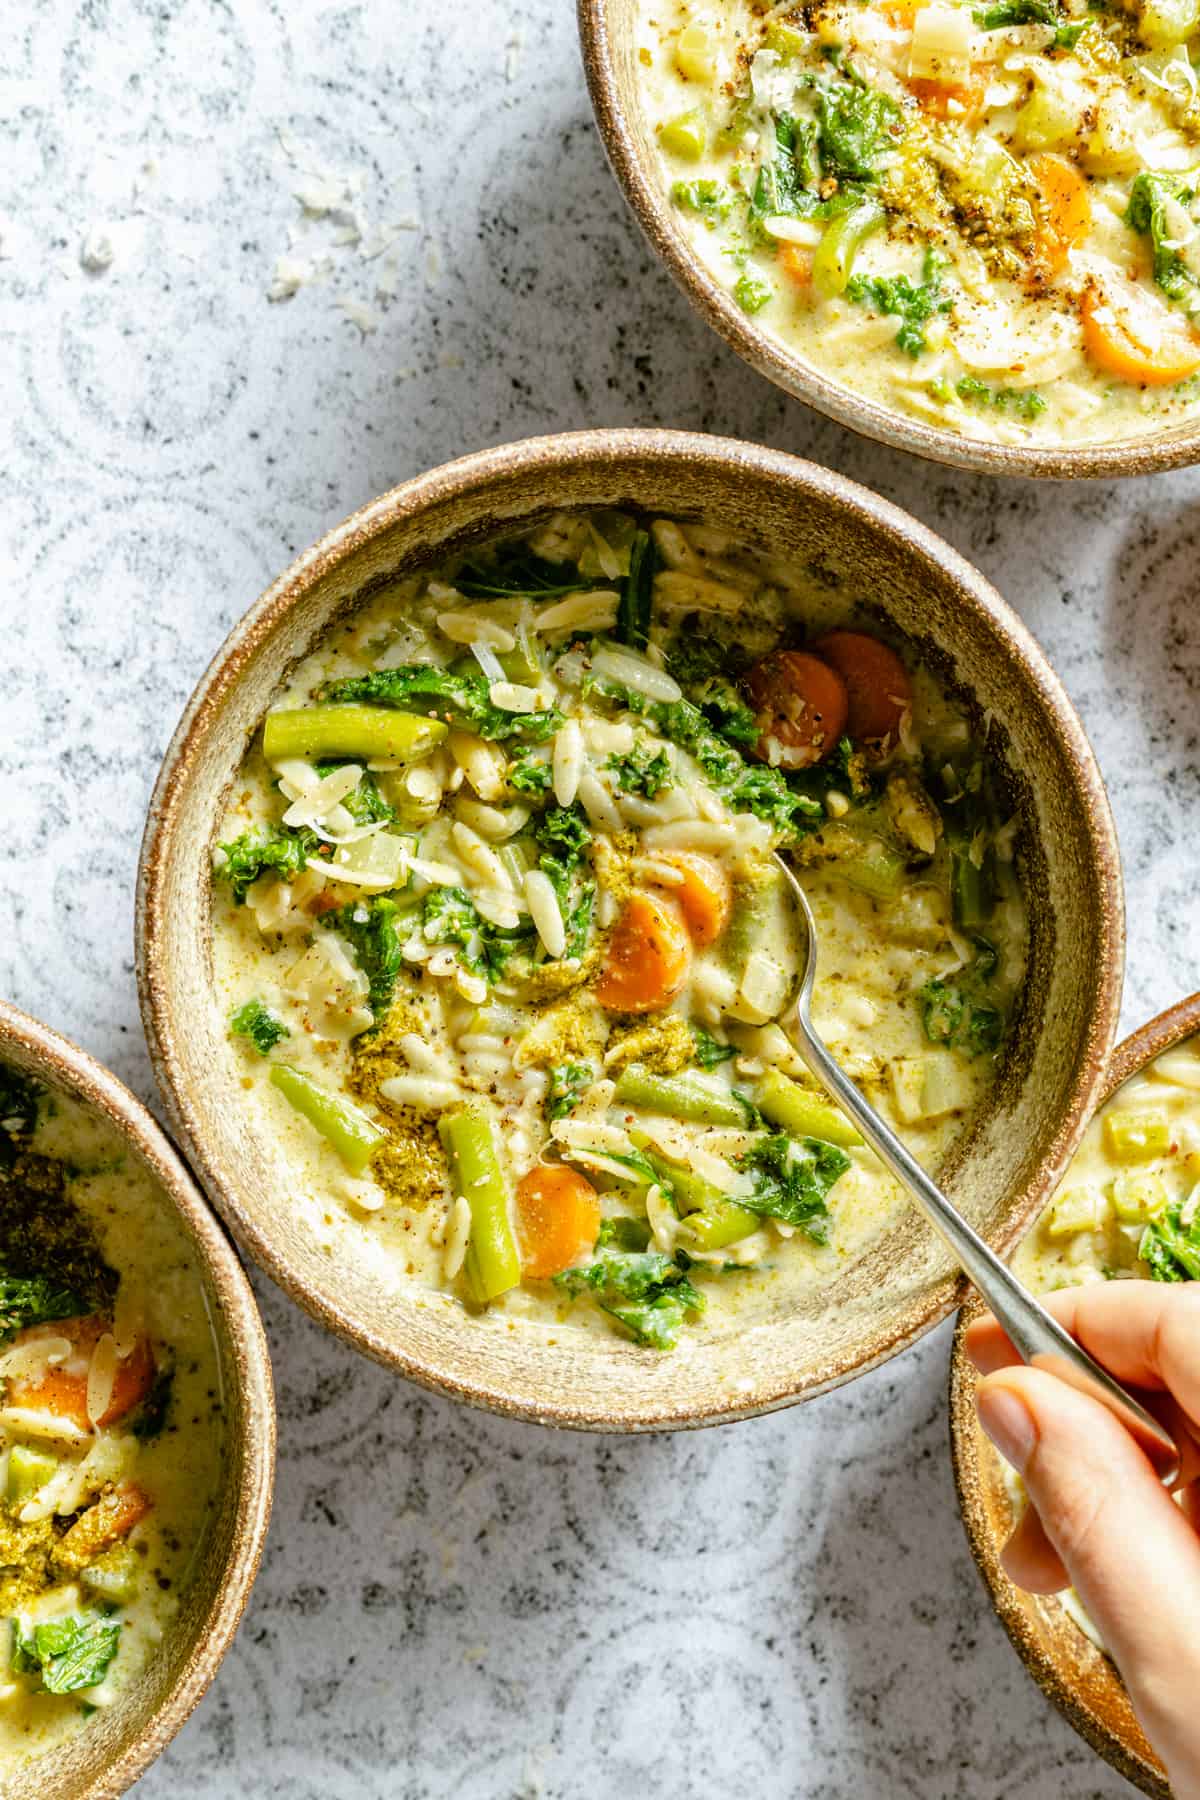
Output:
x=453 y=1605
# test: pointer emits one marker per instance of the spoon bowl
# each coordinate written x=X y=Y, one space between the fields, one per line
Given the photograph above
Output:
x=1034 y=1333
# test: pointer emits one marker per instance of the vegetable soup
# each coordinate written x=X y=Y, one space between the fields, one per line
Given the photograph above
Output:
x=980 y=215
x=503 y=947
x=110 y=1418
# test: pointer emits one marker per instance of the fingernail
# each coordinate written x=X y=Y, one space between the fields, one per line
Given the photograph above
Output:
x=1009 y=1423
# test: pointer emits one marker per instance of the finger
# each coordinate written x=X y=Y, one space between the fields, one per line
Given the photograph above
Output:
x=1128 y=1549
x=1030 y=1559
x=1146 y=1333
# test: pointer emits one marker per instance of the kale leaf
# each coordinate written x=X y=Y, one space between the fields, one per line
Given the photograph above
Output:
x=264 y=848
x=514 y=569
x=646 y=1292
x=256 y=1022
x=792 y=1177
x=785 y=186
x=529 y=774
x=855 y=126
x=1149 y=198
x=568 y=1083
x=564 y=832
x=69 y=1654
x=636 y=600
x=450 y=917
x=913 y=305
x=1027 y=403
x=563 y=835
x=1171 y=1250
x=642 y=771
x=461 y=697
x=1017 y=12
x=709 y=1051
x=711 y=199
x=965 y=1014
x=377 y=928
x=365 y=804
x=32 y=1300
x=760 y=790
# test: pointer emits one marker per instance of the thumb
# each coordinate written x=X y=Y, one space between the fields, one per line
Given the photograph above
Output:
x=1130 y=1552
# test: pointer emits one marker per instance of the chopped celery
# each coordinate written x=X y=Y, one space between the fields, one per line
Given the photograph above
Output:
x=878 y=871
x=349 y=730
x=353 y=1135
x=785 y=1103
x=786 y=41
x=695 y=1097
x=115 y=1576
x=1136 y=1136
x=28 y=1470
x=841 y=241
x=478 y=1173
x=1139 y=1198
x=1077 y=1210
x=928 y=1087
x=686 y=135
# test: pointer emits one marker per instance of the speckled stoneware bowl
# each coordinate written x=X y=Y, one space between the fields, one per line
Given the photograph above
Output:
x=1070 y=870
x=1081 y=1680
x=608 y=32
x=106 y=1758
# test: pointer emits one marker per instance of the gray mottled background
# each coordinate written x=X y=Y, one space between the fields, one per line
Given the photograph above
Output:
x=453 y=1605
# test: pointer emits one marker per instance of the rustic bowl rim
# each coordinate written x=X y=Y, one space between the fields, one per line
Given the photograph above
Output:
x=474 y=474
x=1173 y=449
x=1161 y=1033
x=63 y=1065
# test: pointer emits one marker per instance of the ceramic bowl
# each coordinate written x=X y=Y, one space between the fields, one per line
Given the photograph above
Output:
x=1070 y=869
x=609 y=38
x=1067 y=1666
x=105 y=1759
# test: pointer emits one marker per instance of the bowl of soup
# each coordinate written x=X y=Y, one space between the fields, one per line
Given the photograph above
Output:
x=136 y=1428
x=464 y=950
x=1125 y=1210
x=967 y=231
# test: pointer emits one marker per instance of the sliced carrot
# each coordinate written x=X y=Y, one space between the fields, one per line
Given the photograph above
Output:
x=1112 y=342
x=704 y=896
x=1067 y=215
x=949 y=100
x=649 y=954
x=62 y=1388
x=877 y=682
x=112 y=1518
x=801 y=705
x=901 y=13
x=796 y=262
x=558 y=1216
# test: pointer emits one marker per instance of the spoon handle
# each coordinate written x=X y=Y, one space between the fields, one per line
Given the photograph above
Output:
x=1035 y=1334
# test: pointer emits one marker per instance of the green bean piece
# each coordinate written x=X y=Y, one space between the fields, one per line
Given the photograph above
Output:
x=970 y=889
x=718 y=1226
x=353 y=1135
x=787 y=1104
x=878 y=871
x=350 y=730
x=477 y=1172
x=28 y=1470
x=689 y=1191
x=840 y=244
x=680 y=1097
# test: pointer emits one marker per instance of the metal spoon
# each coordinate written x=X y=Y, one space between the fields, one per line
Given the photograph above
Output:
x=1037 y=1337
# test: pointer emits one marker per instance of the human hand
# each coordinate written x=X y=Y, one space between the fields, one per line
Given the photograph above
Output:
x=1099 y=1519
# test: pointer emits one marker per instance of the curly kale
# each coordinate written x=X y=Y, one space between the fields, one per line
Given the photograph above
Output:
x=711 y=199
x=529 y=774
x=855 y=127
x=515 y=570
x=259 y=1026
x=646 y=1292
x=32 y=1300
x=377 y=928
x=913 y=305
x=793 y=1177
x=365 y=804
x=710 y=1051
x=759 y=789
x=1171 y=1250
x=1026 y=403
x=1149 y=198
x=563 y=835
x=642 y=771
x=451 y=917
x=964 y=1014
x=462 y=697
x=787 y=184
x=274 y=849
x=702 y=666
x=563 y=832
x=568 y=1084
